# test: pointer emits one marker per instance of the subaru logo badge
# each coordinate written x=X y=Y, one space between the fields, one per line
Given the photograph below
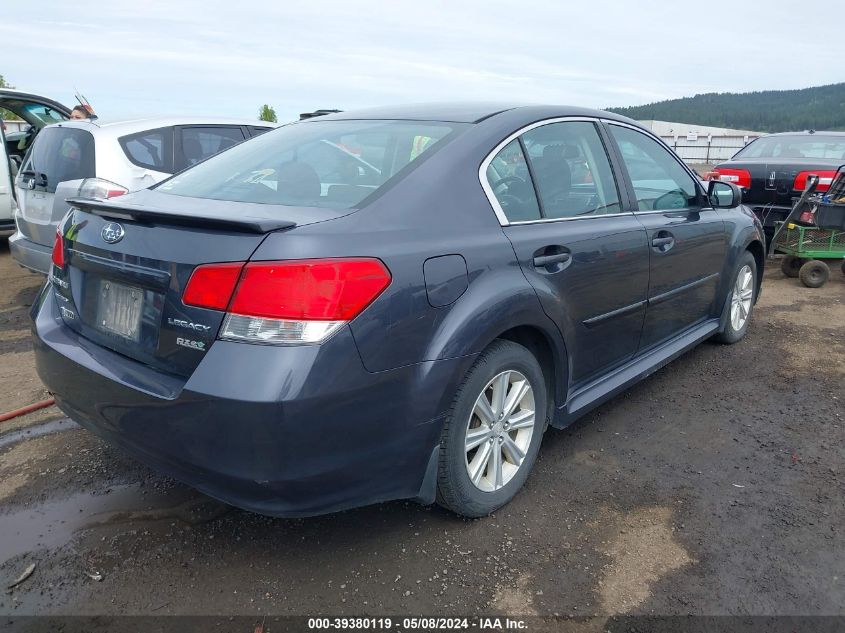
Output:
x=112 y=233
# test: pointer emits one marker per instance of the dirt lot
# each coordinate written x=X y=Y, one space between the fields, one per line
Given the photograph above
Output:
x=714 y=487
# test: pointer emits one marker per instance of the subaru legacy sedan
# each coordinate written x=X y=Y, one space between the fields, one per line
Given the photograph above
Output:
x=388 y=304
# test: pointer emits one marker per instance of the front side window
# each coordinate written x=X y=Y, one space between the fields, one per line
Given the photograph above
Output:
x=660 y=182
x=510 y=181
x=332 y=164
x=152 y=149
x=571 y=170
x=60 y=154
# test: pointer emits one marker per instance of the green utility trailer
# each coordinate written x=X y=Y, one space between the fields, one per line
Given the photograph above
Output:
x=808 y=250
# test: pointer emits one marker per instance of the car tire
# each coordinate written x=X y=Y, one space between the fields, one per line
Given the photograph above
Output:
x=814 y=273
x=843 y=266
x=502 y=368
x=739 y=301
x=790 y=265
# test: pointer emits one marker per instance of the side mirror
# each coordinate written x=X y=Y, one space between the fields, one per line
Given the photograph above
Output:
x=724 y=195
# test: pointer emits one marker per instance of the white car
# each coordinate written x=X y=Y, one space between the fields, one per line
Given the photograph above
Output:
x=103 y=160
x=36 y=112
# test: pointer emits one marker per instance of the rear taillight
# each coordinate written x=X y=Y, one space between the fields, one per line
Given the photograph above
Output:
x=59 y=251
x=825 y=178
x=100 y=189
x=739 y=177
x=293 y=301
x=211 y=285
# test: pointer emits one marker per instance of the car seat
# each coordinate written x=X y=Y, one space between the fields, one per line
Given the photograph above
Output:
x=297 y=183
x=192 y=149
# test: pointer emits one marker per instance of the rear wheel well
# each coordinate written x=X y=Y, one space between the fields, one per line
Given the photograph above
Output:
x=759 y=253
x=539 y=345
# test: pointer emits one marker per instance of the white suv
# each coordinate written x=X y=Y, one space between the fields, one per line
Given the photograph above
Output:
x=104 y=160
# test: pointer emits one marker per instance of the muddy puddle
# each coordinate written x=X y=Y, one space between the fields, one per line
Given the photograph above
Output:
x=55 y=522
x=38 y=430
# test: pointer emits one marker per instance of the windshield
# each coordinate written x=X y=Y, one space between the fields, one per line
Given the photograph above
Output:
x=332 y=164
x=815 y=146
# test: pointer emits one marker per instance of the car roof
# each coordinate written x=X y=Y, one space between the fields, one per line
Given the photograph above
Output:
x=467 y=112
x=120 y=128
x=806 y=133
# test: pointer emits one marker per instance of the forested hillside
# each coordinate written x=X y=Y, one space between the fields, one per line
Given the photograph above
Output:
x=819 y=108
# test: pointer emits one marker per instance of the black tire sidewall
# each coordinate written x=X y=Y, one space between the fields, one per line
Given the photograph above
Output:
x=729 y=334
x=814 y=273
x=791 y=265
x=455 y=489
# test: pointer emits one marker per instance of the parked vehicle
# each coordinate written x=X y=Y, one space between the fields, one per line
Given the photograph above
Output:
x=104 y=160
x=388 y=304
x=772 y=170
x=37 y=111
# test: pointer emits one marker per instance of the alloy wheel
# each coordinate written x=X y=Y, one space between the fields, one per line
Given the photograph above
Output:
x=499 y=430
x=743 y=292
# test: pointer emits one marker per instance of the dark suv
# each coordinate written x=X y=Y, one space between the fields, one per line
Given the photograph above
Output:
x=387 y=304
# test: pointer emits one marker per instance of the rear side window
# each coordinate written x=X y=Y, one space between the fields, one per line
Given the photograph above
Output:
x=255 y=130
x=571 y=170
x=152 y=149
x=510 y=181
x=332 y=164
x=199 y=143
x=60 y=154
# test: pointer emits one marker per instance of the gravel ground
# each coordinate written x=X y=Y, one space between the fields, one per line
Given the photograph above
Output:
x=713 y=487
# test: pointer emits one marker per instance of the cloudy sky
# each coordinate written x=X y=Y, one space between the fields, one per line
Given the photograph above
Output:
x=136 y=57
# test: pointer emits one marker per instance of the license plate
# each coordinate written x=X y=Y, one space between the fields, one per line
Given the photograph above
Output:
x=119 y=309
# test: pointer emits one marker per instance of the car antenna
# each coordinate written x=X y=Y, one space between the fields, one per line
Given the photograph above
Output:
x=85 y=104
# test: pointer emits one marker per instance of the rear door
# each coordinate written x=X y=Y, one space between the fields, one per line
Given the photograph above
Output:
x=686 y=237
x=36 y=111
x=6 y=184
x=555 y=192
x=195 y=143
x=59 y=158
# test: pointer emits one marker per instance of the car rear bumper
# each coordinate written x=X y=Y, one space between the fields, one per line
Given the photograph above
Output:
x=770 y=214
x=30 y=255
x=283 y=431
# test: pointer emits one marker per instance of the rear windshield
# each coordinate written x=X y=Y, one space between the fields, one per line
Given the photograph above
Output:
x=60 y=154
x=332 y=164
x=786 y=147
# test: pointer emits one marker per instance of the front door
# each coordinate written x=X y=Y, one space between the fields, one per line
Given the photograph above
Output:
x=686 y=236
x=585 y=257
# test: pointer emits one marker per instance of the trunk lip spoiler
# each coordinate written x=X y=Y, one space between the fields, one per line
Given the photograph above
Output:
x=248 y=224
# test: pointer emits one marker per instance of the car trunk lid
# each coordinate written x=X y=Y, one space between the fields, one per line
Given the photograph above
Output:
x=127 y=263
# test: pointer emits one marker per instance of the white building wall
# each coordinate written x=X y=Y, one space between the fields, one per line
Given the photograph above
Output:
x=701 y=143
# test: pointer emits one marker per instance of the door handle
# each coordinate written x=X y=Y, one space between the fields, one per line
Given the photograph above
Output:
x=547 y=260
x=662 y=241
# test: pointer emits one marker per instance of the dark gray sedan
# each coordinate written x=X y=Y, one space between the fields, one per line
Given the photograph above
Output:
x=388 y=304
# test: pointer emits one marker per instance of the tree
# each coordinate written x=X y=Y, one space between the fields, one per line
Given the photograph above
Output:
x=267 y=113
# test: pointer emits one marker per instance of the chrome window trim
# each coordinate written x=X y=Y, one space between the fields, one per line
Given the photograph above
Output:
x=491 y=197
x=575 y=217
